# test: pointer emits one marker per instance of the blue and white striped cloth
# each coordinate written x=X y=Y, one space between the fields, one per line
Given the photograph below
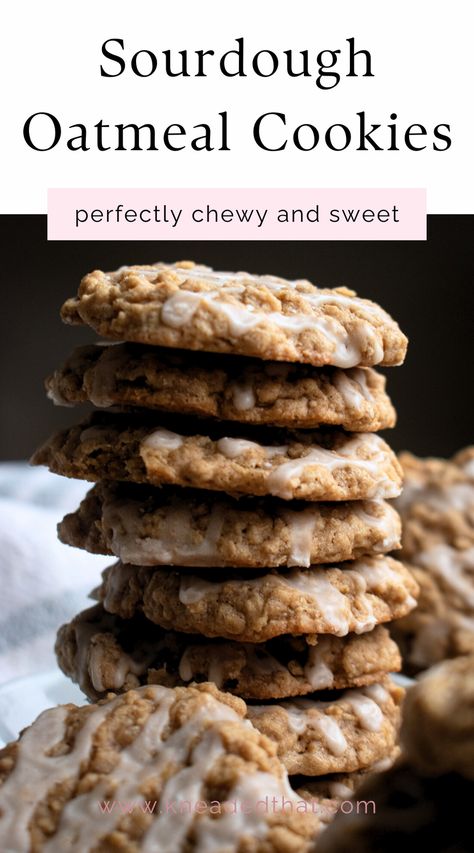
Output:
x=42 y=582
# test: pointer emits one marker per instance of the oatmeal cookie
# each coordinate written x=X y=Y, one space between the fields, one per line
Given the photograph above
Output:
x=192 y=307
x=230 y=388
x=149 y=526
x=149 y=746
x=338 y=735
x=311 y=465
x=254 y=608
x=103 y=652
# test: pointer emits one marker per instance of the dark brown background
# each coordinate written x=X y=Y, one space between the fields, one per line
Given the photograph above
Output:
x=426 y=286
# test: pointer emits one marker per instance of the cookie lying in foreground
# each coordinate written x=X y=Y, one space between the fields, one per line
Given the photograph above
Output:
x=102 y=652
x=192 y=307
x=231 y=388
x=174 y=757
x=414 y=800
x=307 y=465
x=171 y=526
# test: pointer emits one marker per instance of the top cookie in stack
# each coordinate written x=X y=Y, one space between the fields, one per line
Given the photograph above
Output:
x=257 y=467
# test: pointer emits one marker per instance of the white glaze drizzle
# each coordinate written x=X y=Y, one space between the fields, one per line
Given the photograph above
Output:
x=177 y=543
x=366 y=710
x=286 y=476
x=243 y=396
x=180 y=307
x=162 y=439
x=317 y=672
x=301 y=526
x=100 y=382
x=232 y=448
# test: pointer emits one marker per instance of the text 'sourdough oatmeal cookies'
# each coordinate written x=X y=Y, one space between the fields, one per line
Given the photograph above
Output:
x=415 y=799
x=437 y=506
x=321 y=600
x=340 y=734
x=328 y=465
x=235 y=388
x=152 y=745
x=193 y=307
x=102 y=652
x=168 y=526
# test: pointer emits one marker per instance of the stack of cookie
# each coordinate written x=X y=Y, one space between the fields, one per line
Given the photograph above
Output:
x=241 y=486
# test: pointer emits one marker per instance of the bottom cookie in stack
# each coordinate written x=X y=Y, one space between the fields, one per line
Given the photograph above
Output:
x=268 y=637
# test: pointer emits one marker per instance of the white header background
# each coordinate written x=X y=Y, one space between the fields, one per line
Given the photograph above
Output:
x=421 y=57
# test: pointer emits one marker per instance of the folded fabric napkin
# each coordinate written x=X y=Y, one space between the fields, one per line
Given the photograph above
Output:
x=42 y=582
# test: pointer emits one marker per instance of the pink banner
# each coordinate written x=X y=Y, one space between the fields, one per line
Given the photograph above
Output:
x=237 y=214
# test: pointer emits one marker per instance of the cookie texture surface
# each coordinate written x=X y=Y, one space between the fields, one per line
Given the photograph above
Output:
x=229 y=388
x=193 y=307
x=329 y=466
x=322 y=600
x=342 y=734
x=150 y=746
x=148 y=527
x=437 y=507
x=103 y=652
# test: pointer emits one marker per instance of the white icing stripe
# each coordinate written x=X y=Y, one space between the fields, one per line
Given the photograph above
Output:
x=36 y=772
x=333 y=606
x=232 y=448
x=317 y=673
x=193 y=589
x=177 y=543
x=301 y=525
x=346 y=345
x=339 y=790
x=285 y=475
x=330 y=733
x=243 y=397
x=366 y=710
x=100 y=382
x=232 y=829
x=162 y=439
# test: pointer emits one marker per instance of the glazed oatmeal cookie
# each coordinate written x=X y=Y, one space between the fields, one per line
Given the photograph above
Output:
x=329 y=466
x=149 y=526
x=151 y=745
x=322 y=600
x=102 y=652
x=193 y=307
x=231 y=388
x=338 y=735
